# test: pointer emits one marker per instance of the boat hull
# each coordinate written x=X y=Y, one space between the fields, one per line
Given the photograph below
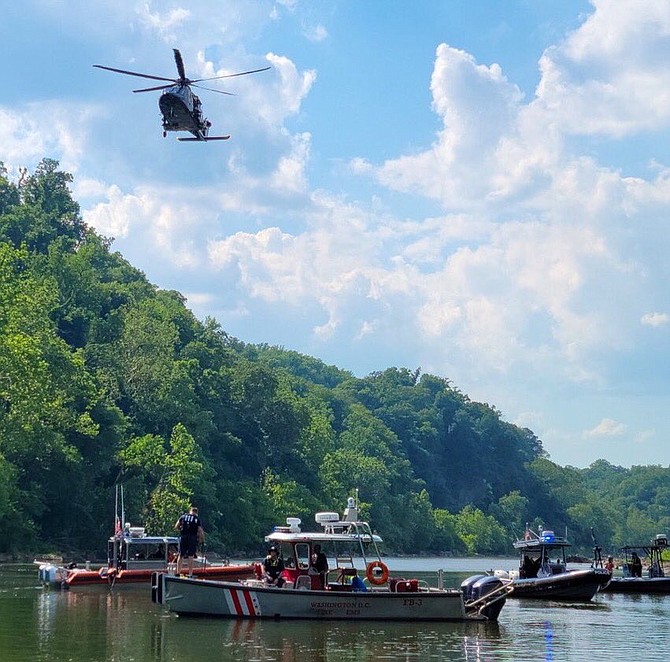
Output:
x=638 y=585
x=574 y=586
x=197 y=597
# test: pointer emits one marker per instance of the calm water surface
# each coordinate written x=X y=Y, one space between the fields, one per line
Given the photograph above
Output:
x=124 y=625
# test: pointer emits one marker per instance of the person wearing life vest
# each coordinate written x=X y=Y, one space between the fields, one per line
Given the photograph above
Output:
x=273 y=566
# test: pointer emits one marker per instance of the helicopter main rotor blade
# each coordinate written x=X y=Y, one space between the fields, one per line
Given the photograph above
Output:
x=241 y=73
x=134 y=73
x=209 y=89
x=158 y=87
x=180 y=64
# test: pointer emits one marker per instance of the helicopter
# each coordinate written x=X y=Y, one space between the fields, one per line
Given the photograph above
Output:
x=180 y=107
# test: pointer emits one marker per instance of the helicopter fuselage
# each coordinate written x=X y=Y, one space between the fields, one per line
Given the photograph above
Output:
x=180 y=108
x=182 y=111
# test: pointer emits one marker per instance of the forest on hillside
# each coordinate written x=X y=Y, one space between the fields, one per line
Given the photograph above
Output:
x=106 y=379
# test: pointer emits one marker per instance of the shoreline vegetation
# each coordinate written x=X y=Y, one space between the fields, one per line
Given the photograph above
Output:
x=106 y=379
x=55 y=557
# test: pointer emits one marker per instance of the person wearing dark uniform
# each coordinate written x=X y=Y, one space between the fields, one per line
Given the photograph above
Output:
x=273 y=566
x=319 y=565
x=636 y=565
x=190 y=529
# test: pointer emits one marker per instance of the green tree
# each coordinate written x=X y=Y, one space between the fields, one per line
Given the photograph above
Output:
x=173 y=472
x=480 y=533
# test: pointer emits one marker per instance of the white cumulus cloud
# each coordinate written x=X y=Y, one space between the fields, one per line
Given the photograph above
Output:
x=607 y=428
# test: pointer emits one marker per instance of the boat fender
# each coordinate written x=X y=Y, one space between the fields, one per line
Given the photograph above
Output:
x=377 y=573
x=258 y=570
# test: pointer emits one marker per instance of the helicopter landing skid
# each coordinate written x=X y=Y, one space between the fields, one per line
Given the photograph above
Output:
x=201 y=140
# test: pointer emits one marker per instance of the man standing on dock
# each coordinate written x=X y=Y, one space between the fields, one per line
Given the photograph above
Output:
x=191 y=531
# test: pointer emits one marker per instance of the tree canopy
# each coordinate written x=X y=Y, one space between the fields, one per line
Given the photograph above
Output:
x=106 y=379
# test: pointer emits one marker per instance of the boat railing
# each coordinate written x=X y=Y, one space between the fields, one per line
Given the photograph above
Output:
x=497 y=594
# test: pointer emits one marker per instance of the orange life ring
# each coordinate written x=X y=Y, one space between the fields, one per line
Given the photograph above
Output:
x=377 y=580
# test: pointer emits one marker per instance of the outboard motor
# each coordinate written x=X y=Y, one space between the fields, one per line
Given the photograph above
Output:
x=52 y=575
x=467 y=584
x=484 y=586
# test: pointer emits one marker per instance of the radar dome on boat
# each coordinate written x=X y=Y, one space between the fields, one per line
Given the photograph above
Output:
x=326 y=518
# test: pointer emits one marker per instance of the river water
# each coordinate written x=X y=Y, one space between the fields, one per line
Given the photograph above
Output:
x=123 y=625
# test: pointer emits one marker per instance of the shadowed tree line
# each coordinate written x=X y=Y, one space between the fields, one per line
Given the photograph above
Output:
x=106 y=379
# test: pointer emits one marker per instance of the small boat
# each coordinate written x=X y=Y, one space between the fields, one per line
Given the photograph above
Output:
x=654 y=580
x=337 y=593
x=543 y=571
x=132 y=557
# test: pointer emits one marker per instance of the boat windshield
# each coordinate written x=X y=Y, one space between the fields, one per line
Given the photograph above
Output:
x=141 y=552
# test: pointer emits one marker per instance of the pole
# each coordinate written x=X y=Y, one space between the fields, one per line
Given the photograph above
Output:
x=123 y=509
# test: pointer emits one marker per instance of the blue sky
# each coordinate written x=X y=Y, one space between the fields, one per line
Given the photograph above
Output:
x=480 y=189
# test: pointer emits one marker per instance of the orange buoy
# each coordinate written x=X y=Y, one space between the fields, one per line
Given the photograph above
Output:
x=373 y=577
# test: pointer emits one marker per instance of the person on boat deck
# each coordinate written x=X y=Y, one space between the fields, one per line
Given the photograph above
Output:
x=636 y=565
x=357 y=584
x=273 y=566
x=191 y=533
x=609 y=565
x=158 y=552
x=319 y=565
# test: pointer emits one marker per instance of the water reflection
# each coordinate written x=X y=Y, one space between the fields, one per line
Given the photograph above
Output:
x=548 y=641
x=299 y=641
x=124 y=625
x=94 y=624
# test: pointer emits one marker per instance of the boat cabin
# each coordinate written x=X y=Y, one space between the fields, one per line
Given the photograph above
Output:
x=134 y=550
x=349 y=544
x=542 y=554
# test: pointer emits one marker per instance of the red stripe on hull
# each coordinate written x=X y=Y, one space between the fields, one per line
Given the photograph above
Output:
x=236 y=602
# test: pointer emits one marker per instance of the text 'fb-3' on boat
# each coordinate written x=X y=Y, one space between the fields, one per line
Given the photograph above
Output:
x=352 y=582
x=543 y=570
